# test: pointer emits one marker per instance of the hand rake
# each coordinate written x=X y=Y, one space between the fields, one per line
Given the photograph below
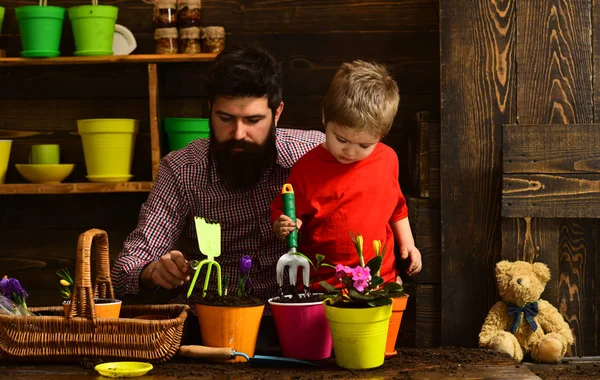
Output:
x=209 y=241
x=290 y=259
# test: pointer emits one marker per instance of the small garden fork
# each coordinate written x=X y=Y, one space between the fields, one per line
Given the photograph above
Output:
x=209 y=241
x=290 y=259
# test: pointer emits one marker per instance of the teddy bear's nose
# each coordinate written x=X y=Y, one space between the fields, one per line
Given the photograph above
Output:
x=519 y=281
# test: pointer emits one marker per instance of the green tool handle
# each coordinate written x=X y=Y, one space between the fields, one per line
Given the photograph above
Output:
x=289 y=209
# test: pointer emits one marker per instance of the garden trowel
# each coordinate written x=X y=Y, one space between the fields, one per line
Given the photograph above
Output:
x=226 y=353
x=290 y=259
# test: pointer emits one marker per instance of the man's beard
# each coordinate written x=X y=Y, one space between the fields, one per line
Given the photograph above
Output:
x=242 y=170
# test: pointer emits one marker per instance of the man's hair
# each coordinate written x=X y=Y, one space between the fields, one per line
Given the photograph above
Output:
x=363 y=97
x=245 y=71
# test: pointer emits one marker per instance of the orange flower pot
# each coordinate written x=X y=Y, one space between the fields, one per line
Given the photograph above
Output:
x=398 y=307
x=230 y=326
x=105 y=308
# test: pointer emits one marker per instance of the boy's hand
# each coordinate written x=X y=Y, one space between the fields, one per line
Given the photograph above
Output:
x=414 y=258
x=283 y=226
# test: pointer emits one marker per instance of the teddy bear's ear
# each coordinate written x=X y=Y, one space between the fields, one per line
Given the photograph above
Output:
x=542 y=271
x=502 y=266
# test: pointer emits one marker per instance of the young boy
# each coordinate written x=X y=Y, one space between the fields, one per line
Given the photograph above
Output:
x=350 y=182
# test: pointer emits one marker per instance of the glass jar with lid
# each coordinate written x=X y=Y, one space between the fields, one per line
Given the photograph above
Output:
x=188 y=14
x=165 y=13
x=166 y=40
x=189 y=40
x=213 y=39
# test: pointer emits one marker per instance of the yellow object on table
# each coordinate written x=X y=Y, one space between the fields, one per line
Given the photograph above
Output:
x=123 y=369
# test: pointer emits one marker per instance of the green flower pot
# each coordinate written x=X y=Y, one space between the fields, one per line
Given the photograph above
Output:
x=1 y=18
x=93 y=29
x=41 y=29
x=184 y=130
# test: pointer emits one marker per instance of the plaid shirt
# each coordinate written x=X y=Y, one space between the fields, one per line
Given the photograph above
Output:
x=188 y=185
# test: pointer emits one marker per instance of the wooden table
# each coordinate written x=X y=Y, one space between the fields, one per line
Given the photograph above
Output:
x=400 y=366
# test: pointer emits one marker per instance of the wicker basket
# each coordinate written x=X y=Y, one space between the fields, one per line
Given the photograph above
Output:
x=55 y=337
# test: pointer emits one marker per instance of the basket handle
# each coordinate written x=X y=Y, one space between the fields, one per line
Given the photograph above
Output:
x=82 y=302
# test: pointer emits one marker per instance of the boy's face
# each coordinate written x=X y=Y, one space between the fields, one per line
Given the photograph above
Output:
x=346 y=145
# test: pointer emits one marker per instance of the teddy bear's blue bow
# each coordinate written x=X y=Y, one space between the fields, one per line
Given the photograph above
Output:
x=530 y=310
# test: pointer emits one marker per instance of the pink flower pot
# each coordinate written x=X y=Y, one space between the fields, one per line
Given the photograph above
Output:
x=303 y=330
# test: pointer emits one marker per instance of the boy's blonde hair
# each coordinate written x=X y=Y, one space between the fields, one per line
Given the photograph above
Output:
x=363 y=97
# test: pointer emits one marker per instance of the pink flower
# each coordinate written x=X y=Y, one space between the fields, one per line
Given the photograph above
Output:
x=343 y=268
x=361 y=273
x=360 y=285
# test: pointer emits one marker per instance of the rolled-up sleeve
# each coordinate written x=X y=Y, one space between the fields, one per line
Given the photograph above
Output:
x=161 y=221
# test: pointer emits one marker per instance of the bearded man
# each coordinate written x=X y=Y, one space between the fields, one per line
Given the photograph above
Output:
x=230 y=178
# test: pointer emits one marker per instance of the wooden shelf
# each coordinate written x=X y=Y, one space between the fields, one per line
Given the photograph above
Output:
x=134 y=58
x=75 y=188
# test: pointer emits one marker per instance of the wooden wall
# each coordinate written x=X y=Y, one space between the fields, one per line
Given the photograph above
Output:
x=513 y=62
x=311 y=39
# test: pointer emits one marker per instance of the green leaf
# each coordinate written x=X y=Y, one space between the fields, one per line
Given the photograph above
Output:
x=319 y=257
x=309 y=260
x=375 y=280
x=329 y=288
x=380 y=302
x=356 y=295
x=327 y=265
x=374 y=264
x=391 y=287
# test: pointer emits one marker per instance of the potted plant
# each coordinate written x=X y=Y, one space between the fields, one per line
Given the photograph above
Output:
x=105 y=307
x=231 y=319
x=300 y=319
x=362 y=304
x=226 y=320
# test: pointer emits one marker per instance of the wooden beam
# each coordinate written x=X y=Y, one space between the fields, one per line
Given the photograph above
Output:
x=154 y=118
x=134 y=58
x=551 y=148
x=551 y=195
x=478 y=97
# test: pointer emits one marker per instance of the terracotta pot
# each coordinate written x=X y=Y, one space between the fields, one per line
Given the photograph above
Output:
x=230 y=326
x=398 y=307
x=105 y=308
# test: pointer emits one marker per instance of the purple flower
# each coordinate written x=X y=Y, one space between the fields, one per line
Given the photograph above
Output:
x=361 y=273
x=360 y=285
x=248 y=284
x=245 y=265
x=11 y=288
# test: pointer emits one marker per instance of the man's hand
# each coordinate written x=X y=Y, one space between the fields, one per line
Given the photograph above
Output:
x=169 y=272
x=283 y=226
x=414 y=258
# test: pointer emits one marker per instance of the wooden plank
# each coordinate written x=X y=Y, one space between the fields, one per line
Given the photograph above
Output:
x=551 y=195
x=429 y=316
x=424 y=155
x=309 y=60
x=477 y=98
x=111 y=59
x=554 y=54
x=551 y=148
x=154 y=118
x=577 y=261
x=266 y=16
x=535 y=240
x=553 y=39
x=67 y=82
x=74 y=188
x=424 y=217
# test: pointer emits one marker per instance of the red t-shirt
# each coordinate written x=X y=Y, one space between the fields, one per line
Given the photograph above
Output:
x=333 y=199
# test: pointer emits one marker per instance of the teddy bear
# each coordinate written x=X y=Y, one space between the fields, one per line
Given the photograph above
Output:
x=522 y=323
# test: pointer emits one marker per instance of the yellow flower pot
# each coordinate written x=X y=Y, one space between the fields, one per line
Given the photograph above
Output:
x=108 y=147
x=359 y=335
